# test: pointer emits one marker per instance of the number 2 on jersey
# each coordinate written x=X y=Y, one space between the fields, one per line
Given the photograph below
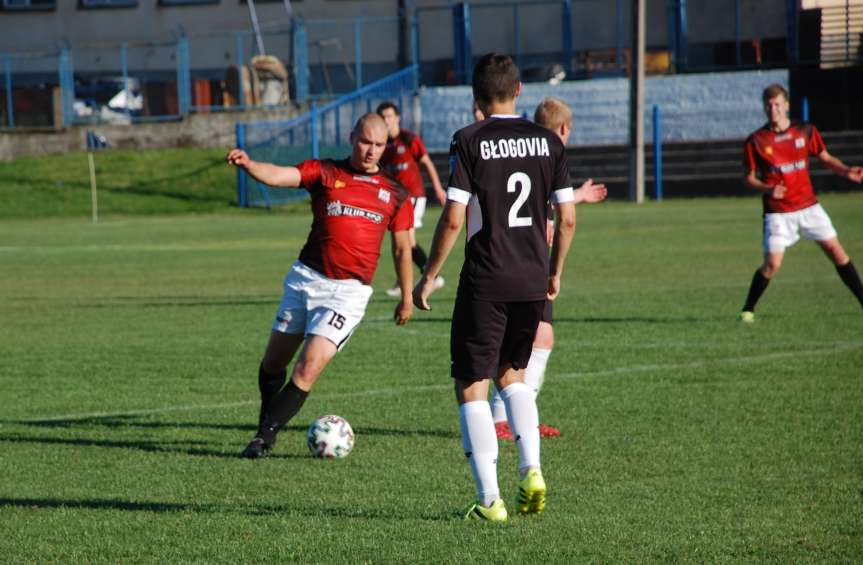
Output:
x=516 y=221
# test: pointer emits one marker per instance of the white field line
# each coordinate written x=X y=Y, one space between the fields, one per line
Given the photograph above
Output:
x=444 y=386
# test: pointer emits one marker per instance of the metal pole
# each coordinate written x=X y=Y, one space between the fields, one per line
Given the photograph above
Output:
x=313 y=124
x=636 y=103
x=358 y=52
x=253 y=14
x=657 y=153
x=10 y=109
x=805 y=109
x=618 y=55
x=517 y=33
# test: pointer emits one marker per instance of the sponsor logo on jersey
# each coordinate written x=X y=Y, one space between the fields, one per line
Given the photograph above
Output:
x=512 y=148
x=339 y=184
x=364 y=178
x=336 y=208
x=769 y=150
x=799 y=143
x=782 y=137
x=791 y=167
x=384 y=195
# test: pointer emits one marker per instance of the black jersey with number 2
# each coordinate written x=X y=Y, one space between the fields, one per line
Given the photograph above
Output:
x=506 y=170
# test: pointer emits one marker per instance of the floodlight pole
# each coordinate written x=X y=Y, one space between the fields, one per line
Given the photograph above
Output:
x=636 y=103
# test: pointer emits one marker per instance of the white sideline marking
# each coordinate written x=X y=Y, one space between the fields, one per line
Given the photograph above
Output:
x=421 y=388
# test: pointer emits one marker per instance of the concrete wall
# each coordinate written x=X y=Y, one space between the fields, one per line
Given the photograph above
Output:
x=694 y=107
x=200 y=130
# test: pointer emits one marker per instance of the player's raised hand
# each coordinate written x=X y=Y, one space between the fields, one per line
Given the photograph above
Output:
x=238 y=158
x=422 y=291
x=855 y=174
x=591 y=193
x=778 y=192
x=403 y=313
x=553 y=287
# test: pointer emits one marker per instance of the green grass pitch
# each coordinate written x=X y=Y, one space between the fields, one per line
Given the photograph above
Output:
x=128 y=357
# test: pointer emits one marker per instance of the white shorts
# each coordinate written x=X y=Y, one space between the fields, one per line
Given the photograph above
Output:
x=783 y=229
x=419 y=203
x=318 y=305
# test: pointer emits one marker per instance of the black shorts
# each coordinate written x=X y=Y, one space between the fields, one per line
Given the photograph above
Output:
x=488 y=335
x=546 y=312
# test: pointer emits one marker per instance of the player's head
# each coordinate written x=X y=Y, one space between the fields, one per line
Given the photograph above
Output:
x=776 y=104
x=495 y=79
x=556 y=115
x=368 y=139
x=390 y=113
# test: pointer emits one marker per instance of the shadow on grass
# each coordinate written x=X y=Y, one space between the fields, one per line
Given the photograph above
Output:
x=120 y=422
x=36 y=504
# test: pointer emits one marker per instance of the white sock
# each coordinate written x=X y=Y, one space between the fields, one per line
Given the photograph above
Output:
x=534 y=373
x=480 y=447
x=498 y=408
x=524 y=421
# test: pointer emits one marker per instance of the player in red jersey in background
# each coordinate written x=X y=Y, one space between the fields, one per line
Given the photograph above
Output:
x=354 y=202
x=404 y=154
x=776 y=161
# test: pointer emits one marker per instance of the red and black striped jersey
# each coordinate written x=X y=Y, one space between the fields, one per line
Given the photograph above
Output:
x=351 y=212
x=783 y=157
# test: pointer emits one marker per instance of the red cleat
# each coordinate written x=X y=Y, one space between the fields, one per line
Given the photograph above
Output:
x=502 y=430
x=548 y=431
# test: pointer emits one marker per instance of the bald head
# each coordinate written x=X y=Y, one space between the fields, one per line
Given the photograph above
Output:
x=369 y=139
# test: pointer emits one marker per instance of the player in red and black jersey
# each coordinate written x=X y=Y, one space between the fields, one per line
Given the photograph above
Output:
x=776 y=163
x=354 y=202
x=404 y=154
x=505 y=170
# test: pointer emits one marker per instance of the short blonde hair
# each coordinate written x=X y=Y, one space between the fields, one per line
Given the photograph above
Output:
x=553 y=113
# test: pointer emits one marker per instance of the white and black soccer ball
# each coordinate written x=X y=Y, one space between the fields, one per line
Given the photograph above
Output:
x=330 y=437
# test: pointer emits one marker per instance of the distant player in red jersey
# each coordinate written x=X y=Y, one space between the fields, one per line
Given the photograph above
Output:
x=354 y=203
x=776 y=161
x=404 y=154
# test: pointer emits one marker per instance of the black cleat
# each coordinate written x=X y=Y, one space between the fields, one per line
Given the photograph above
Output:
x=257 y=448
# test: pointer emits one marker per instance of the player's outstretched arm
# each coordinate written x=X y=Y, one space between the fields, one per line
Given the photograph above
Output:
x=445 y=235
x=590 y=193
x=854 y=174
x=426 y=162
x=405 y=270
x=564 y=229
x=267 y=173
x=752 y=181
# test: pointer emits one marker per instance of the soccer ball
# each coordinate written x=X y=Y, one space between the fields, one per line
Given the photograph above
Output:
x=330 y=437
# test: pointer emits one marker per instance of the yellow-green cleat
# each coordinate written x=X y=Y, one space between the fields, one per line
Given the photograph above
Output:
x=531 y=493
x=494 y=513
x=746 y=317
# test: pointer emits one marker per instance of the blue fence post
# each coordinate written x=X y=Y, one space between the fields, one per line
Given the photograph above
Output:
x=463 y=56
x=618 y=57
x=313 y=125
x=566 y=33
x=242 y=188
x=677 y=35
x=657 y=153
x=184 y=79
x=805 y=109
x=517 y=33
x=301 y=61
x=415 y=47
x=67 y=86
x=10 y=108
x=358 y=52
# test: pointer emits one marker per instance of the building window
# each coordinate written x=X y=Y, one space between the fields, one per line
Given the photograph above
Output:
x=29 y=4
x=108 y=3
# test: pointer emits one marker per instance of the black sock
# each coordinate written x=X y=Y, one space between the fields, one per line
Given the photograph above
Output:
x=282 y=408
x=419 y=256
x=756 y=289
x=269 y=386
x=848 y=274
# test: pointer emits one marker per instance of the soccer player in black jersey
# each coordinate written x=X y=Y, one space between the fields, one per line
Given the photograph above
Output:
x=505 y=170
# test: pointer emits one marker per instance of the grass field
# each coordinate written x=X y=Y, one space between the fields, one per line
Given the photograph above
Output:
x=129 y=352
